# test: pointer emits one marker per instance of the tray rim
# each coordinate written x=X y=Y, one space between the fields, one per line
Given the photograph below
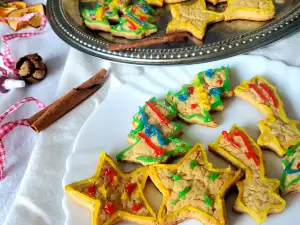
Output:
x=244 y=43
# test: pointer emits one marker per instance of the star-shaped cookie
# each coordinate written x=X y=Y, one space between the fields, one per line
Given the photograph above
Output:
x=278 y=132
x=257 y=10
x=257 y=194
x=290 y=180
x=193 y=189
x=112 y=195
x=192 y=18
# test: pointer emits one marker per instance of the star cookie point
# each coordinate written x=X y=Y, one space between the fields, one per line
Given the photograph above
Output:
x=112 y=195
x=193 y=189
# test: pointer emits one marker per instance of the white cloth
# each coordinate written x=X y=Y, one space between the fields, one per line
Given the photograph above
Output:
x=21 y=141
x=38 y=200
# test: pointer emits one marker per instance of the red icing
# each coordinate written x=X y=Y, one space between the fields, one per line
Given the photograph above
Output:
x=157 y=113
x=136 y=207
x=226 y=136
x=298 y=165
x=110 y=174
x=133 y=9
x=129 y=188
x=194 y=106
x=191 y=90
x=94 y=18
x=262 y=97
x=92 y=190
x=106 y=8
x=131 y=25
x=142 y=18
x=109 y=208
x=157 y=150
x=250 y=154
x=271 y=95
x=219 y=82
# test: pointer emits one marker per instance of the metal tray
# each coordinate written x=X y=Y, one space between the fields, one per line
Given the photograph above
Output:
x=222 y=39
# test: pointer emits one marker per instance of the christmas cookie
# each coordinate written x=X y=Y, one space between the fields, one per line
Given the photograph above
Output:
x=94 y=18
x=112 y=195
x=278 y=133
x=257 y=194
x=290 y=181
x=192 y=189
x=154 y=138
x=257 y=10
x=192 y=18
x=112 y=8
x=215 y=82
x=192 y=104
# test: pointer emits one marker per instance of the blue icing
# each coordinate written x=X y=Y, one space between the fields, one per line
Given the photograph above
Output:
x=209 y=73
x=183 y=97
x=215 y=91
x=151 y=130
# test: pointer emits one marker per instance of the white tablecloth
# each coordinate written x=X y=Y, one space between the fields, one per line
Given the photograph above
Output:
x=37 y=200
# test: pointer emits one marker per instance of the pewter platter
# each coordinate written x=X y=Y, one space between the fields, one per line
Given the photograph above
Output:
x=222 y=39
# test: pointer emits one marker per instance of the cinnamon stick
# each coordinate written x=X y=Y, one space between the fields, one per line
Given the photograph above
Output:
x=179 y=36
x=66 y=103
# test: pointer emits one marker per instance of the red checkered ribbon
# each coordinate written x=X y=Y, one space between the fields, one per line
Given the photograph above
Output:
x=9 y=126
x=8 y=60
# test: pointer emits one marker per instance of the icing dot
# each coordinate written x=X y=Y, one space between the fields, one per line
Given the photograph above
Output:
x=193 y=164
x=191 y=90
x=298 y=165
x=93 y=18
x=193 y=106
x=142 y=18
x=129 y=188
x=209 y=73
x=215 y=91
x=219 y=82
x=136 y=207
x=92 y=190
x=109 y=208
x=183 y=97
x=91 y=14
x=110 y=174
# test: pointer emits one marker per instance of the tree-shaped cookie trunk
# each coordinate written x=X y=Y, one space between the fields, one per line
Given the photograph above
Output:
x=154 y=137
x=195 y=101
x=257 y=194
x=278 y=132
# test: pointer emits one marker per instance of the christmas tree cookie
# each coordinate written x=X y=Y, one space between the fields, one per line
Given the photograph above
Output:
x=153 y=139
x=112 y=195
x=192 y=189
x=257 y=194
x=278 y=132
x=257 y=10
x=290 y=181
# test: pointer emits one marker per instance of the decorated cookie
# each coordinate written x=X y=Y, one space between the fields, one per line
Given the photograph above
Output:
x=94 y=18
x=278 y=133
x=257 y=10
x=215 y=82
x=257 y=194
x=112 y=195
x=192 y=189
x=112 y=8
x=192 y=105
x=290 y=181
x=153 y=139
x=192 y=18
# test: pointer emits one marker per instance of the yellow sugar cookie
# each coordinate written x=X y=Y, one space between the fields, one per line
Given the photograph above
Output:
x=257 y=194
x=112 y=195
x=193 y=189
x=192 y=18
x=257 y=10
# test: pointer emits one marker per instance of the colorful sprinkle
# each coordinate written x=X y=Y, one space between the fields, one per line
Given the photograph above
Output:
x=209 y=73
x=92 y=190
x=136 y=207
x=129 y=188
x=110 y=174
x=109 y=208
x=193 y=164
x=207 y=199
x=213 y=176
x=174 y=176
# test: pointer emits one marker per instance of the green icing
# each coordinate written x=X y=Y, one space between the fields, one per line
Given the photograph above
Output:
x=294 y=181
x=282 y=181
x=184 y=90
x=181 y=195
x=213 y=176
x=218 y=102
x=193 y=164
x=292 y=151
x=226 y=84
x=285 y=163
x=174 y=176
x=207 y=199
x=206 y=118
